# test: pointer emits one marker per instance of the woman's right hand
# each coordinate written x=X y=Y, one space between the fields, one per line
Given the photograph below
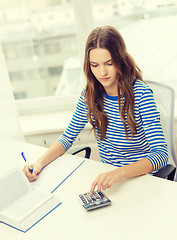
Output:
x=37 y=167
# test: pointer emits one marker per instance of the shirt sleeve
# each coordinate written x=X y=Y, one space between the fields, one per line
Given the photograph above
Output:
x=77 y=123
x=153 y=130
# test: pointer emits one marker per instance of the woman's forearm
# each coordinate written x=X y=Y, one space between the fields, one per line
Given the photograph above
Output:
x=55 y=150
x=138 y=168
x=107 y=179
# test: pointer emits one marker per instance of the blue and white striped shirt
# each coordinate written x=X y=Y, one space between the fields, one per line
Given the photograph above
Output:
x=148 y=142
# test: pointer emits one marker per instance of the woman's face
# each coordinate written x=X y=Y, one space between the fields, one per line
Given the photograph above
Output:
x=103 y=69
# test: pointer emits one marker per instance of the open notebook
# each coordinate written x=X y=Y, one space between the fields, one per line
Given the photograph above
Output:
x=22 y=206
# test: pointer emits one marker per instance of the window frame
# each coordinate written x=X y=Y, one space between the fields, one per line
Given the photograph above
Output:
x=46 y=104
x=84 y=24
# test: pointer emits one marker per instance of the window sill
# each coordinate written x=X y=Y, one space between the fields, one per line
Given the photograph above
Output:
x=46 y=123
x=50 y=122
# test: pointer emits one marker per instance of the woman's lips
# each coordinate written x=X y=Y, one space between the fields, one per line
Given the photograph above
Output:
x=104 y=79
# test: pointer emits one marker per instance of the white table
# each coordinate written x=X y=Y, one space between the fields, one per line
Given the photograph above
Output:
x=142 y=208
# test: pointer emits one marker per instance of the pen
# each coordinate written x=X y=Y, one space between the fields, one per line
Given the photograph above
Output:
x=23 y=155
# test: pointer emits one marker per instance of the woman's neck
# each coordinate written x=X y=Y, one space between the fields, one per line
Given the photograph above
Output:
x=112 y=92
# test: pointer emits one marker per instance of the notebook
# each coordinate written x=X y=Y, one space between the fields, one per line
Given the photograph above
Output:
x=21 y=205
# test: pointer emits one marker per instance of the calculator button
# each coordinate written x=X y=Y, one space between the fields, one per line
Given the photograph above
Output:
x=82 y=198
x=96 y=195
x=101 y=194
x=93 y=198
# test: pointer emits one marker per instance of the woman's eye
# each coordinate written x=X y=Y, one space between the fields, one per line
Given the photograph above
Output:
x=94 y=65
x=109 y=64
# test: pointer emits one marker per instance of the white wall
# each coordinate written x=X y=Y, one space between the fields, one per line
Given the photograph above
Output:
x=9 y=119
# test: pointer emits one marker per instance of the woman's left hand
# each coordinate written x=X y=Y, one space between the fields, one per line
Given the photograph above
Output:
x=106 y=180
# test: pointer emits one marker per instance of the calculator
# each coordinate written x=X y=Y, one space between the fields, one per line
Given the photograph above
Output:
x=97 y=200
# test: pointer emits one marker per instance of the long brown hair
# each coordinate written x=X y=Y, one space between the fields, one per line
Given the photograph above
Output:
x=109 y=38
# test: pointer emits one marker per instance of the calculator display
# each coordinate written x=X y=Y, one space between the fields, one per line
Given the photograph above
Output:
x=97 y=200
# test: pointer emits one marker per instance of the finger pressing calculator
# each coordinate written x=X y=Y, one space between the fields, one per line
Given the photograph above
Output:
x=97 y=200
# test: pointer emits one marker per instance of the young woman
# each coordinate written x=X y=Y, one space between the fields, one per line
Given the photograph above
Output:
x=121 y=109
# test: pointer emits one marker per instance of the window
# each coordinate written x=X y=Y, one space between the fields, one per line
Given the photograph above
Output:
x=16 y=76
x=149 y=30
x=19 y=95
x=55 y=71
x=52 y=48
x=40 y=41
x=37 y=38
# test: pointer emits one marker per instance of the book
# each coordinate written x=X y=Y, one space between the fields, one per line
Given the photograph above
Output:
x=21 y=205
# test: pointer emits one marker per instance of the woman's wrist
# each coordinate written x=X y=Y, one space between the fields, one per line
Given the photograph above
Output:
x=122 y=173
x=39 y=164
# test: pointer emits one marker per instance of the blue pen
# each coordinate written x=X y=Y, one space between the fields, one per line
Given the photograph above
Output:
x=23 y=155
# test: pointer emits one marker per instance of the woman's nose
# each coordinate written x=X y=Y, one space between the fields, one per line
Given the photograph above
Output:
x=103 y=71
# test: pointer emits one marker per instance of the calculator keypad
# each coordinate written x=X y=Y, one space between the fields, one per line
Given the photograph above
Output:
x=86 y=198
x=97 y=199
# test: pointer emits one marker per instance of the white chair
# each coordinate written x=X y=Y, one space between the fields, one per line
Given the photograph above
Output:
x=165 y=100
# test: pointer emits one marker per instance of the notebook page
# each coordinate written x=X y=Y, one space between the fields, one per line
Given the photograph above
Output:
x=57 y=172
x=13 y=185
x=26 y=205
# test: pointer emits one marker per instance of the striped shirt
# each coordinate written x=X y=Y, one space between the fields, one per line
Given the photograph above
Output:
x=148 y=142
